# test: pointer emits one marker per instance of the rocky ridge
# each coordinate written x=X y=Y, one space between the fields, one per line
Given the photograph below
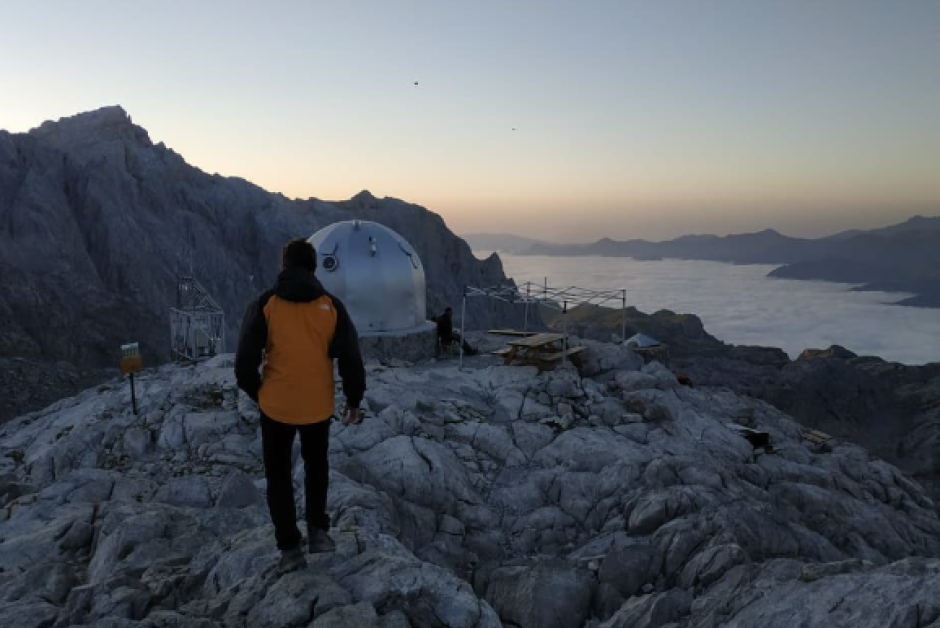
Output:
x=28 y=384
x=477 y=496
x=97 y=222
x=684 y=333
x=891 y=409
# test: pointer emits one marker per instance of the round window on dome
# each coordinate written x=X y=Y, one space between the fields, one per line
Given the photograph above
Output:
x=330 y=263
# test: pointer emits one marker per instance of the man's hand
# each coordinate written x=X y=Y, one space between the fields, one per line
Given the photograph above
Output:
x=351 y=415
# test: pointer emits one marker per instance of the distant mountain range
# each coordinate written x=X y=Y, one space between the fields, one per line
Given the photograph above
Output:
x=502 y=242
x=899 y=258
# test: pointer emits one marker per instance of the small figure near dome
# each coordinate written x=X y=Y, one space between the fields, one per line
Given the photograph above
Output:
x=446 y=336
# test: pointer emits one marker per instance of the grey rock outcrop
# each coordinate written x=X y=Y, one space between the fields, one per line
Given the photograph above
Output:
x=683 y=333
x=476 y=496
x=26 y=384
x=891 y=409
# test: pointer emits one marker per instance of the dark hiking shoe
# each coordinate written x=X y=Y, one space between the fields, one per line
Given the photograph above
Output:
x=291 y=560
x=320 y=541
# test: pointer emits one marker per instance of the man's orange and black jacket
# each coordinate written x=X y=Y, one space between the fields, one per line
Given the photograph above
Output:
x=298 y=329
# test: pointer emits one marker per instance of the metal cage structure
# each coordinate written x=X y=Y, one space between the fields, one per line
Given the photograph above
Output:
x=543 y=295
x=197 y=323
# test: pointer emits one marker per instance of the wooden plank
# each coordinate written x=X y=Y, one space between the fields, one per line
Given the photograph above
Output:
x=817 y=437
x=537 y=340
x=504 y=351
x=554 y=357
x=512 y=332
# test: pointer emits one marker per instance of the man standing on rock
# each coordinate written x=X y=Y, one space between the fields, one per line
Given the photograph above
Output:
x=299 y=329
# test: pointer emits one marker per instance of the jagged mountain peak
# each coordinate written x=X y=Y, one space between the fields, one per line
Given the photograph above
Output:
x=103 y=116
x=363 y=200
x=770 y=232
x=106 y=124
x=364 y=196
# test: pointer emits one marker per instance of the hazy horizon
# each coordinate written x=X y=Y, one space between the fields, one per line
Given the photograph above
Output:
x=861 y=225
x=552 y=119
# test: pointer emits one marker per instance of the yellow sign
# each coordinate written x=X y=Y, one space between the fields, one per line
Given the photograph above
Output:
x=130 y=359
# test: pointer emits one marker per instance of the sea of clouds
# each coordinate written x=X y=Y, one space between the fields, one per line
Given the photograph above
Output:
x=741 y=305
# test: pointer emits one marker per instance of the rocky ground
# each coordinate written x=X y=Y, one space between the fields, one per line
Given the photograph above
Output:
x=891 y=409
x=469 y=497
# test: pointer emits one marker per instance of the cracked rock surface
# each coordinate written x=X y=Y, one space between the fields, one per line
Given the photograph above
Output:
x=473 y=497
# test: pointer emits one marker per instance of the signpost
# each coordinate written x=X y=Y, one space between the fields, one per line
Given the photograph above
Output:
x=131 y=363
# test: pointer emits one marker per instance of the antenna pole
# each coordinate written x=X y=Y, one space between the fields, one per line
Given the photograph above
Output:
x=525 y=324
x=564 y=343
x=133 y=395
x=463 y=323
x=623 y=317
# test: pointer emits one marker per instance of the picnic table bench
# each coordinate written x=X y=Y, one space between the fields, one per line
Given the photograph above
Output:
x=817 y=437
x=542 y=350
x=567 y=353
x=820 y=441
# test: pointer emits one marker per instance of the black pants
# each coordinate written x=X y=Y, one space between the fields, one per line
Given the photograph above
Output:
x=277 y=441
x=455 y=339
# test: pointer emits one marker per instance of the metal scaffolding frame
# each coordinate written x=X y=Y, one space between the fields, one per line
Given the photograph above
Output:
x=197 y=323
x=543 y=295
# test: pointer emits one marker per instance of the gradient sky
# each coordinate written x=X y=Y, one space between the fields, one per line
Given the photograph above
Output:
x=633 y=119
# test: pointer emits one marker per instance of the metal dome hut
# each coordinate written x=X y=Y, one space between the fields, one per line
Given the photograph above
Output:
x=378 y=275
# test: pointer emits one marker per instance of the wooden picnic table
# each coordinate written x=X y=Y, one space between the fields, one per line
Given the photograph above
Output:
x=511 y=332
x=542 y=350
x=538 y=341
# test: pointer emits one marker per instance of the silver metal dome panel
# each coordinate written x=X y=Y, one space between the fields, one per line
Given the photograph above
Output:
x=375 y=272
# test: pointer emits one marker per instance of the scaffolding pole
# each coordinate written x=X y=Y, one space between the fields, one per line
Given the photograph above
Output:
x=623 y=318
x=564 y=344
x=525 y=323
x=463 y=323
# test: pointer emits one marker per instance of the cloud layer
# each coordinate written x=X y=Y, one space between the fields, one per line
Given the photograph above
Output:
x=740 y=305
